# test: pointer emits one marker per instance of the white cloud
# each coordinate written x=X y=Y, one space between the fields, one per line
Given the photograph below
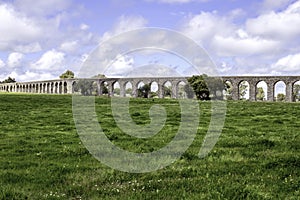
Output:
x=120 y=66
x=233 y=46
x=290 y=63
x=42 y=8
x=71 y=46
x=84 y=57
x=268 y=5
x=125 y=23
x=221 y=36
x=2 y=64
x=84 y=27
x=30 y=76
x=29 y=48
x=205 y=26
x=29 y=29
x=51 y=60
x=250 y=47
x=32 y=30
x=224 y=67
x=15 y=59
x=277 y=25
x=15 y=27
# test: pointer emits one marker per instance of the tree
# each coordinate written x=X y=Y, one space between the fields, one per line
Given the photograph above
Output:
x=228 y=90
x=296 y=92
x=9 y=80
x=167 y=91
x=199 y=86
x=243 y=89
x=205 y=87
x=85 y=87
x=260 y=94
x=280 y=97
x=189 y=91
x=153 y=94
x=67 y=74
x=144 y=91
x=216 y=87
x=129 y=91
x=104 y=89
x=117 y=91
x=99 y=76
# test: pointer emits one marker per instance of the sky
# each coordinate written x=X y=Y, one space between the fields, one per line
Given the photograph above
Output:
x=39 y=40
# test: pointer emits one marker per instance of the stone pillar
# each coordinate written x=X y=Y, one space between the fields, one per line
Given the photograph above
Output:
x=122 y=89
x=174 y=86
x=110 y=89
x=63 y=87
x=289 y=91
x=160 y=90
x=70 y=87
x=134 y=90
x=252 y=90
x=44 y=88
x=235 y=90
x=99 y=88
x=60 y=88
x=56 y=88
x=270 y=92
x=53 y=88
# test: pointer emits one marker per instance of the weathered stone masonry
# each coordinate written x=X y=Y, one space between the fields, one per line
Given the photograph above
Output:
x=269 y=80
x=66 y=86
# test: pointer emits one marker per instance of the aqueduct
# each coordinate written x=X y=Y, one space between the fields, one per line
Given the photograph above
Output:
x=67 y=86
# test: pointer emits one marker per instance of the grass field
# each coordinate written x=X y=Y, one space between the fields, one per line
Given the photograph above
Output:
x=42 y=157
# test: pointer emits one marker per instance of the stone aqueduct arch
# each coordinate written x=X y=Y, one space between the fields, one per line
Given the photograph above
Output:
x=66 y=86
x=269 y=80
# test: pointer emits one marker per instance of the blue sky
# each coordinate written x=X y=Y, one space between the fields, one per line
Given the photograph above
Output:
x=41 y=39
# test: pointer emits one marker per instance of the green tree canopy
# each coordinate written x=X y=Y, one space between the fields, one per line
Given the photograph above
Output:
x=99 y=76
x=280 y=97
x=167 y=91
x=67 y=74
x=260 y=94
x=85 y=87
x=228 y=89
x=243 y=89
x=199 y=86
x=144 y=91
x=189 y=91
x=9 y=80
x=296 y=92
x=205 y=87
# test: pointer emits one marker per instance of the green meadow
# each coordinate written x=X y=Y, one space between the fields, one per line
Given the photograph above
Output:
x=42 y=157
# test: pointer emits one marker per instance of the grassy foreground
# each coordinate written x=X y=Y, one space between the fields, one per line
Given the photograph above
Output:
x=42 y=157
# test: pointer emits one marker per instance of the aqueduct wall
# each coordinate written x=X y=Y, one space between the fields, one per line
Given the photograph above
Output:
x=66 y=86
